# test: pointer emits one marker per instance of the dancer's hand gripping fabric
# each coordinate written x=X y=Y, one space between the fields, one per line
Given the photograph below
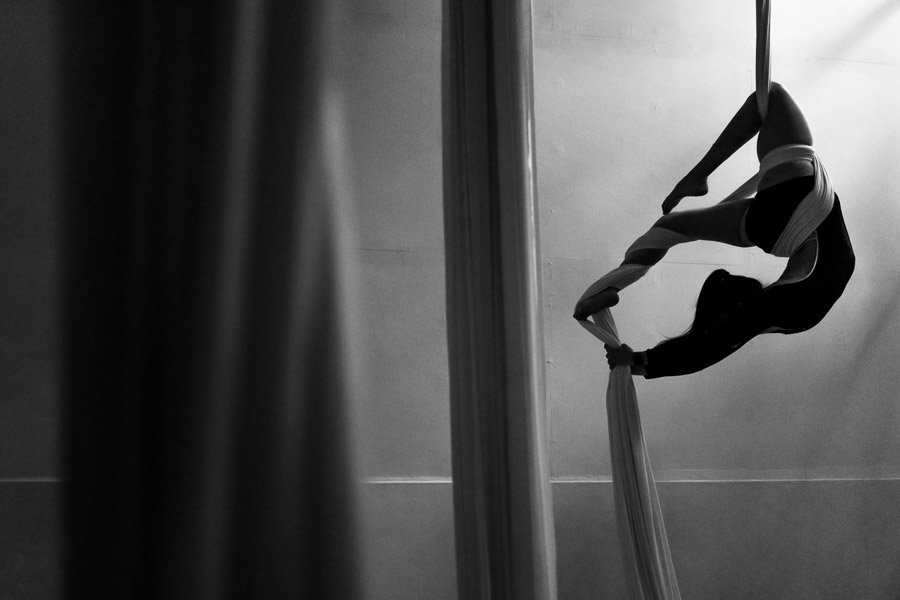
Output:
x=624 y=356
x=621 y=356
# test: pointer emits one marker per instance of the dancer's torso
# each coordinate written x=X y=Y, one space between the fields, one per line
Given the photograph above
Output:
x=799 y=306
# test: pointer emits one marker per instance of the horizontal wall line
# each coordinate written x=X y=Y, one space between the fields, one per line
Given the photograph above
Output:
x=406 y=480
x=403 y=250
x=699 y=476
x=662 y=477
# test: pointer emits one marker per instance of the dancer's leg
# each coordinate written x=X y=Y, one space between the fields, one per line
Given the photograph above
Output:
x=745 y=123
x=590 y=306
x=784 y=124
x=719 y=223
x=740 y=130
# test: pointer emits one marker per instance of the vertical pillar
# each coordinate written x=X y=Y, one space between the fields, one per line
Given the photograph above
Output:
x=503 y=512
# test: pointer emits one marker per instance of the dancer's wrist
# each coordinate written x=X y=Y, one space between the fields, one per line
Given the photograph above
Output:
x=639 y=363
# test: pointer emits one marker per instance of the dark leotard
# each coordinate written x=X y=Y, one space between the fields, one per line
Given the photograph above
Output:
x=786 y=308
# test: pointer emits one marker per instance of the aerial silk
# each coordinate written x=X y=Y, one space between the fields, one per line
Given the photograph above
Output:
x=650 y=573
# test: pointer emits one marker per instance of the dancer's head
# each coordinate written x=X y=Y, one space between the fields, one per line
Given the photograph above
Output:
x=722 y=297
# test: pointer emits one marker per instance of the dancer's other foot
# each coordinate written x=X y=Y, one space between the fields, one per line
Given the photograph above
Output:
x=689 y=186
x=594 y=304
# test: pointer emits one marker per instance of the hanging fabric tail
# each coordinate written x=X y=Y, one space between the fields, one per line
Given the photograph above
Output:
x=763 y=59
x=642 y=534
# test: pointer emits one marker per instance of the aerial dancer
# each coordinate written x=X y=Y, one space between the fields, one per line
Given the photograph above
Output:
x=795 y=214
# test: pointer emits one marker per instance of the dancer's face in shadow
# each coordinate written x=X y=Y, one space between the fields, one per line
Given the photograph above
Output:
x=723 y=298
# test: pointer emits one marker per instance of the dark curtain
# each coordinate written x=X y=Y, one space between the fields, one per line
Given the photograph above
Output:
x=207 y=449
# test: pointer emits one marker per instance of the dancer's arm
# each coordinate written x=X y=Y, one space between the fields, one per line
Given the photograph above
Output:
x=679 y=356
x=683 y=355
x=625 y=356
x=743 y=126
x=688 y=354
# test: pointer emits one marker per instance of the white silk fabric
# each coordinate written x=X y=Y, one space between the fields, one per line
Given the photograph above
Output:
x=763 y=56
x=649 y=571
x=813 y=209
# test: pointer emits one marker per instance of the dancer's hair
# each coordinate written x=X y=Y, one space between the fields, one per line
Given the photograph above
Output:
x=722 y=298
x=722 y=295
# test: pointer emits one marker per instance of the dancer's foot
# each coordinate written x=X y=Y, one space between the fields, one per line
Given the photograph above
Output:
x=594 y=304
x=689 y=186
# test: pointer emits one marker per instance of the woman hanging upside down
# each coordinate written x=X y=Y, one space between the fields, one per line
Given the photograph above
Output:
x=795 y=214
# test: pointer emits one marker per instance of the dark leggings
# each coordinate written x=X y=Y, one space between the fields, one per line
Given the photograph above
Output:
x=799 y=306
x=772 y=208
x=790 y=308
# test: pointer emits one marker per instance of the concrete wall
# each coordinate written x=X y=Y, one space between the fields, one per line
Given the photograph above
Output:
x=29 y=409
x=779 y=467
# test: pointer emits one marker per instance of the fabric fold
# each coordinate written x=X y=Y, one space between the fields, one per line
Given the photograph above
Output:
x=650 y=573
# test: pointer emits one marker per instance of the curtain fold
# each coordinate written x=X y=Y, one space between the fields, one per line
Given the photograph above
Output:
x=505 y=546
x=207 y=374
